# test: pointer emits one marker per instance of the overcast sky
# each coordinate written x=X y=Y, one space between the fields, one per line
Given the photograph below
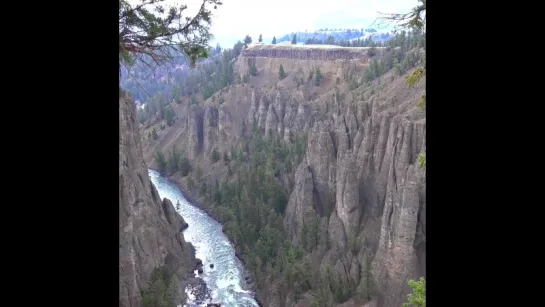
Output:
x=236 y=18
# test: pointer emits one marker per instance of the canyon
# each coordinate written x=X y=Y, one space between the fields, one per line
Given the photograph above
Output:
x=359 y=178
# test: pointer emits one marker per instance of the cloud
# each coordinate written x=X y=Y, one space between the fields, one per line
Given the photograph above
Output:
x=236 y=18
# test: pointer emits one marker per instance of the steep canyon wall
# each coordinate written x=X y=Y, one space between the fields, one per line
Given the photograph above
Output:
x=360 y=175
x=149 y=228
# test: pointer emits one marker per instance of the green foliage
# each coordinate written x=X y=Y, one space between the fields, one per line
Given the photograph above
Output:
x=192 y=100
x=161 y=161
x=251 y=203
x=184 y=166
x=342 y=292
x=416 y=76
x=260 y=39
x=399 y=56
x=422 y=103
x=415 y=19
x=253 y=69
x=366 y=286
x=247 y=40
x=310 y=234
x=281 y=72
x=152 y=32
x=170 y=116
x=154 y=134
x=274 y=40
x=172 y=160
x=294 y=39
x=317 y=77
x=422 y=160
x=163 y=289
x=418 y=297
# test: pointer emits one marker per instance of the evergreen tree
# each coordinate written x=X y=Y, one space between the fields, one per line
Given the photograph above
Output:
x=161 y=161
x=294 y=39
x=366 y=285
x=184 y=166
x=170 y=115
x=253 y=69
x=282 y=73
x=247 y=40
x=274 y=40
x=317 y=77
x=260 y=39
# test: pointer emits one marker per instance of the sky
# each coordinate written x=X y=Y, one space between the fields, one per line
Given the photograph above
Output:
x=236 y=18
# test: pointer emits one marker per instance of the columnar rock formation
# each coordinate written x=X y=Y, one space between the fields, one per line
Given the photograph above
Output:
x=306 y=52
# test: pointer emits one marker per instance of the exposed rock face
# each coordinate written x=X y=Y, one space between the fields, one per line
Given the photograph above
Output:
x=308 y=52
x=362 y=163
x=149 y=228
x=196 y=131
x=303 y=201
x=210 y=127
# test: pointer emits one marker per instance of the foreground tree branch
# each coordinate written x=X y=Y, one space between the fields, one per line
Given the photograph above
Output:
x=414 y=20
x=154 y=33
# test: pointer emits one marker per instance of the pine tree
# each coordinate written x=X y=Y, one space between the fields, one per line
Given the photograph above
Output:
x=274 y=40
x=294 y=39
x=282 y=73
x=260 y=39
x=161 y=161
x=253 y=69
x=247 y=40
x=366 y=285
x=317 y=77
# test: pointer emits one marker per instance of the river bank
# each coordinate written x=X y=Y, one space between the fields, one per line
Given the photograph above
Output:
x=194 y=201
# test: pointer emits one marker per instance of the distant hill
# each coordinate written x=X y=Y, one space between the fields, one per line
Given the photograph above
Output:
x=336 y=36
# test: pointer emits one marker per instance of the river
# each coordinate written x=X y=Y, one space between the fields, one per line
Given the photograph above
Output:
x=226 y=280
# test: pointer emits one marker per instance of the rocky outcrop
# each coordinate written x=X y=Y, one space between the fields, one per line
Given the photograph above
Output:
x=149 y=228
x=361 y=161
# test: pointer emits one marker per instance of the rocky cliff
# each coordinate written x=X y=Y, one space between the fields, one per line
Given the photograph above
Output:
x=149 y=228
x=306 y=52
x=359 y=177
